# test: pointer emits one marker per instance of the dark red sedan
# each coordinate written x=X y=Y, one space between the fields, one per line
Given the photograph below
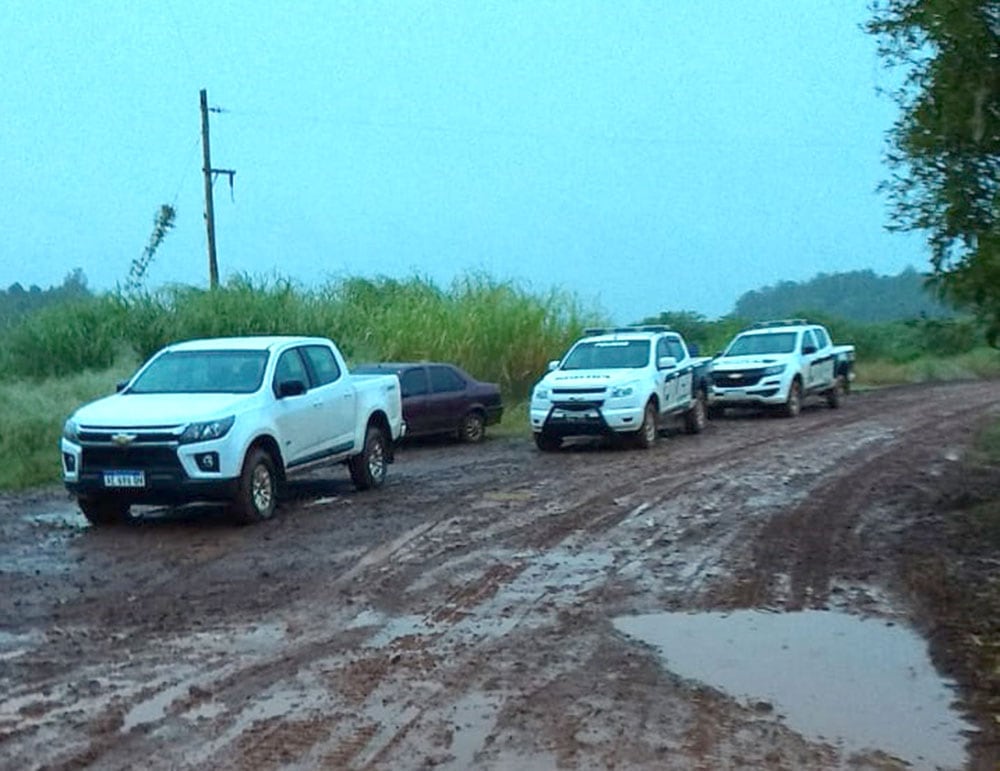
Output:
x=442 y=399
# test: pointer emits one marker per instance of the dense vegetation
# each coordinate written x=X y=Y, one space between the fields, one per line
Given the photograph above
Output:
x=859 y=295
x=16 y=302
x=944 y=148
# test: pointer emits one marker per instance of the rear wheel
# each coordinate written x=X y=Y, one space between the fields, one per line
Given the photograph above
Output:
x=103 y=511
x=793 y=404
x=547 y=442
x=697 y=414
x=473 y=428
x=835 y=396
x=257 y=494
x=645 y=437
x=368 y=468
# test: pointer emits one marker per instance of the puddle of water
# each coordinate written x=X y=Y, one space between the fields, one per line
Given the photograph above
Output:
x=857 y=683
x=13 y=645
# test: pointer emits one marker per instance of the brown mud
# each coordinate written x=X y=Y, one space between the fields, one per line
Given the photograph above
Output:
x=496 y=607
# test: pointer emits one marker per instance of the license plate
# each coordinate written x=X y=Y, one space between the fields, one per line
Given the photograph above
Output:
x=575 y=417
x=124 y=479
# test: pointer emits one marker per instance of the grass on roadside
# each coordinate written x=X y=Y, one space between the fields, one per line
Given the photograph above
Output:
x=31 y=420
x=979 y=363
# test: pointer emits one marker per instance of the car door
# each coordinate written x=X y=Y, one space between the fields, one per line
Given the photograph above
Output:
x=682 y=391
x=824 y=365
x=446 y=401
x=334 y=397
x=812 y=358
x=295 y=415
x=414 y=388
x=667 y=377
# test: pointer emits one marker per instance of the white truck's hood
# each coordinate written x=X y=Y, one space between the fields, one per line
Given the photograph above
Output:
x=591 y=378
x=128 y=410
x=747 y=362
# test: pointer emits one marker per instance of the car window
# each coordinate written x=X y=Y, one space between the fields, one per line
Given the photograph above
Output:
x=610 y=354
x=324 y=363
x=676 y=349
x=239 y=372
x=290 y=367
x=413 y=382
x=808 y=339
x=822 y=337
x=445 y=379
x=756 y=343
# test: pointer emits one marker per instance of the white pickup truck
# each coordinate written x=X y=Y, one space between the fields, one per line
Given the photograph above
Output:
x=777 y=364
x=228 y=419
x=626 y=381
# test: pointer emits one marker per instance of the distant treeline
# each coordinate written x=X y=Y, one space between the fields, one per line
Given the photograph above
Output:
x=16 y=301
x=855 y=296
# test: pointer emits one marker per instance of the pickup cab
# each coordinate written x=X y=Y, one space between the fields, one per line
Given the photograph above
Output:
x=778 y=364
x=629 y=382
x=228 y=420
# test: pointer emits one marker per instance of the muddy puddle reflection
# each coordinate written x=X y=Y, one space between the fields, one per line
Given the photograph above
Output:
x=858 y=684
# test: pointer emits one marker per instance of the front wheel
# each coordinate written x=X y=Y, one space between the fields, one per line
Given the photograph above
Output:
x=473 y=428
x=793 y=404
x=645 y=437
x=103 y=511
x=257 y=493
x=368 y=468
x=546 y=442
x=697 y=416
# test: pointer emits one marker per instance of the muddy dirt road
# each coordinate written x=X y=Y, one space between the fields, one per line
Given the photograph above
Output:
x=728 y=600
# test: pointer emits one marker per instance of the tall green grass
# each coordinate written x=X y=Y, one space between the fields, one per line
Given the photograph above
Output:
x=31 y=419
x=497 y=330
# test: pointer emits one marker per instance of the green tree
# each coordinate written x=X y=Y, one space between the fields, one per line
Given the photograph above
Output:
x=944 y=149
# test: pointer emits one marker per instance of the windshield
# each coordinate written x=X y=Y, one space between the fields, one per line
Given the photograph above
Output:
x=615 y=354
x=766 y=342
x=202 y=372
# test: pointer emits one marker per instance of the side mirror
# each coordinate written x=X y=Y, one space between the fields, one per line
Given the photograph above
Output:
x=693 y=349
x=291 y=388
x=667 y=362
x=807 y=349
x=718 y=354
x=120 y=386
x=553 y=365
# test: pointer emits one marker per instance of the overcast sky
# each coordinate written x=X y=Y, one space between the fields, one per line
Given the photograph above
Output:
x=647 y=156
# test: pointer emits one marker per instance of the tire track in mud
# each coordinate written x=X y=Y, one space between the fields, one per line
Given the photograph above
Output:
x=487 y=536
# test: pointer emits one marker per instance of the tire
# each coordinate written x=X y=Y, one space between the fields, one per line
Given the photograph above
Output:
x=697 y=416
x=835 y=396
x=473 y=428
x=715 y=411
x=257 y=493
x=646 y=436
x=102 y=512
x=793 y=404
x=368 y=468
x=546 y=442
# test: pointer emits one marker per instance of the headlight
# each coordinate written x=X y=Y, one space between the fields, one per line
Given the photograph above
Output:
x=777 y=369
x=71 y=430
x=210 y=429
x=623 y=390
x=541 y=393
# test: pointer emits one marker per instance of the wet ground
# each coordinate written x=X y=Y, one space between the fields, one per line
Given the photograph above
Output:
x=758 y=596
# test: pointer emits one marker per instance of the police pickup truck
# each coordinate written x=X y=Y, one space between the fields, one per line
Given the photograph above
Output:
x=629 y=382
x=777 y=364
x=228 y=419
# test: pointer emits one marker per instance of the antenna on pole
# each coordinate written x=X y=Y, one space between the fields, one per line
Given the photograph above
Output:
x=206 y=153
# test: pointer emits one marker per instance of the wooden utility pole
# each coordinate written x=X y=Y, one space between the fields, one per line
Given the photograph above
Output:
x=206 y=153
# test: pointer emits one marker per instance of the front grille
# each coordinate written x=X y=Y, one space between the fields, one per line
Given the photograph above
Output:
x=151 y=459
x=737 y=379
x=598 y=391
x=146 y=435
x=579 y=406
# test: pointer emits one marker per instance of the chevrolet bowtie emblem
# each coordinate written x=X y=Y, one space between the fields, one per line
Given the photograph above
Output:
x=122 y=439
